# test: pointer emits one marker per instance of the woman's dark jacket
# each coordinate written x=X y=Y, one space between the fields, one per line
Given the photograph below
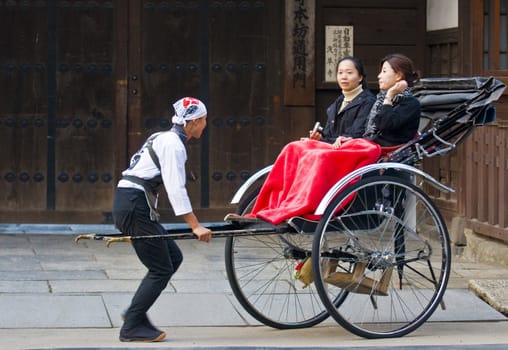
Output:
x=399 y=123
x=351 y=121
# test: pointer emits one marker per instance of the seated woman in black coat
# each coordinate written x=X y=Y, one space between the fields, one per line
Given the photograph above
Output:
x=395 y=116
x=347 y=115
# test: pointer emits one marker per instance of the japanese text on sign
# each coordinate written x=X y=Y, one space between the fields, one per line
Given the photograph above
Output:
x=338 y=44
x=300 y=34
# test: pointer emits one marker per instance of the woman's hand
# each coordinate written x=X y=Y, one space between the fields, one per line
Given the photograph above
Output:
x=340 y=140
x=396 y=89
x=315 y=135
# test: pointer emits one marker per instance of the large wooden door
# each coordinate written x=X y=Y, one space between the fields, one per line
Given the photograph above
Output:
x=57 y=117
x=83 y=83
x=219 y=52
x=23 y=111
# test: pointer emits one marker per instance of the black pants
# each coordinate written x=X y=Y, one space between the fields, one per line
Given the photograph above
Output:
x=162 y=258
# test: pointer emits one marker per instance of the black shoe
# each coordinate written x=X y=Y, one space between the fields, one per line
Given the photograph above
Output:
x=146 y=321
x=141 y=333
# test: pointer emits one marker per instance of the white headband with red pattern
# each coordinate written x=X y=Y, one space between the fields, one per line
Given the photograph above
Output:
x=188 y=108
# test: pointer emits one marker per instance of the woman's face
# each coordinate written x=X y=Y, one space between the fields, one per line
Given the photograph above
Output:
x=387 y=77
x=348 y=76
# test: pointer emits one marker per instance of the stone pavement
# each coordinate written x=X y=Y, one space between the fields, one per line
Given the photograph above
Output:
x=55 y=288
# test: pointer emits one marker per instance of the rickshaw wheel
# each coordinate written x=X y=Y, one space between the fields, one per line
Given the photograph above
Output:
x=384 y=247
x=261 y=271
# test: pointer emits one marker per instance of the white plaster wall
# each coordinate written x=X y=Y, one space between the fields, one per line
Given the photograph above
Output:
x=442 y=14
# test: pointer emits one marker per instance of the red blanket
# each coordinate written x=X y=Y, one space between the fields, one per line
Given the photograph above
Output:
x=304 y=172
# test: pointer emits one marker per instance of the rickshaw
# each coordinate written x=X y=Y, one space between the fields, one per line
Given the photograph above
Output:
x=378 y=257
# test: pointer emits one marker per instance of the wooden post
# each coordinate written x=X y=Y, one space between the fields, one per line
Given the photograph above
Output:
x=121 y=76
x=134 y=81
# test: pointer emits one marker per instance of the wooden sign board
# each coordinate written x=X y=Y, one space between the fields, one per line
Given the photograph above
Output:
x=338 y=44
x=299 y=86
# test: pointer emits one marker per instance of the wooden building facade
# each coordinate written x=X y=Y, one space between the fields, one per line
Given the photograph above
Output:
x=478 y=170
x=83 y=83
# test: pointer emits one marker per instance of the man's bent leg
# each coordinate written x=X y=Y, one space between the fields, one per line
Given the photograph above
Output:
x=155 y=255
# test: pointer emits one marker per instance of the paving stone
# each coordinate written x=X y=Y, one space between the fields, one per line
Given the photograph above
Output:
x=463 y=305
x=181 y=310
x=72 y=257
x=201 y=286
x=80 y=265
x=24 y=287
x=35 y=311
x=52 y=275
x=13 y=241
x=19 y=263
x=58 y=238
x=90 y=228
x=16 y=251
x=199 y=275
x=119 y=261
x=125 y=274
x=60 y=250
x=93 y=286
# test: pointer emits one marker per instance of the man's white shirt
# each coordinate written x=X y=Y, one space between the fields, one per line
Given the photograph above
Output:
x=172 y=155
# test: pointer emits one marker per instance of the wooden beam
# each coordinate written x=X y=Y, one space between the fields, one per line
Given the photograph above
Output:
x=486 y=229
x=494 y=32
x=134 y=82
x=121 y=75
x=471 y=36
